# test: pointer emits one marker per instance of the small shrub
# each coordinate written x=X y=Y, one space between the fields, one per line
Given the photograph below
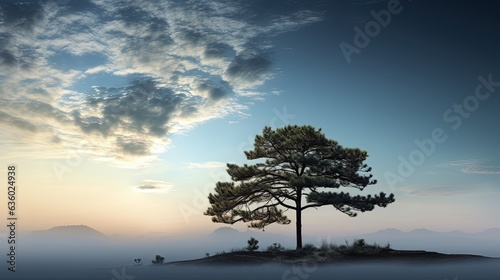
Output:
x=333 y=254
x=359 y=246
x=236 y=250
x=333 y=246
x=252 y=244
x=158 y=260
x=343 y=249
x=324 y=247
x=207 y=255
x=276 y=247
x=359 y=243
x=309 y=247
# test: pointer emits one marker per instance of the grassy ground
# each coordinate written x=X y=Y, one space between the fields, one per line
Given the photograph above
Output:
x=325 y=254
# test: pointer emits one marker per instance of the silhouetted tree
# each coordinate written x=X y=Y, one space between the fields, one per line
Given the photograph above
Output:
x=252 y=244
x=296 y=163
x=158 y=260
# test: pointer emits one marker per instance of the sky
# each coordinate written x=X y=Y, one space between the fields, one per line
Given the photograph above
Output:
x=122 y=115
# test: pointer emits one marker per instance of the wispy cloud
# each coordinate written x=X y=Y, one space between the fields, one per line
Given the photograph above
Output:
x=208 y=164
x=185 y=63
x=444 y=190
x=154 y=186
x=473 y=166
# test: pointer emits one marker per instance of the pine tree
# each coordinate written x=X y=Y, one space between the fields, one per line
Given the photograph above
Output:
x=297 y=164
x=252 y=244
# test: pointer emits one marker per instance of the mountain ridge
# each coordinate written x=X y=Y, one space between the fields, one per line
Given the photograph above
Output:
x=69 y=231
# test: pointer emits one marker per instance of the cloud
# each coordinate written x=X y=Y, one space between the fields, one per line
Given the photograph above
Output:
x=145 y=107
x=22 y=16
x=491 y=170
x=445 y=190
x=131 y=146
x=211 y=91
x=473 y=166
x=176 y=65
x=154 y=186
x=19 y=123
x=247 y=72
x=7 y=59
x=208 y=164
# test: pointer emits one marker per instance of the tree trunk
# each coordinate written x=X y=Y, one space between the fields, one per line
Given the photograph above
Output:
x=298 y=213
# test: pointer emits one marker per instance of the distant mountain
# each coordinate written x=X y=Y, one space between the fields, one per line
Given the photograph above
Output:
x=485 y=242
x=456 y=232
x=225 y=231
x=70 y=231
x=423 y=232
x=492 y=233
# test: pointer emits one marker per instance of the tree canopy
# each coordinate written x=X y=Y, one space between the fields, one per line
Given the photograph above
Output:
x=298 y=167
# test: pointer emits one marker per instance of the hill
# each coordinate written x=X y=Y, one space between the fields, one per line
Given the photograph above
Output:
x=292 y=256
x=69 y=231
